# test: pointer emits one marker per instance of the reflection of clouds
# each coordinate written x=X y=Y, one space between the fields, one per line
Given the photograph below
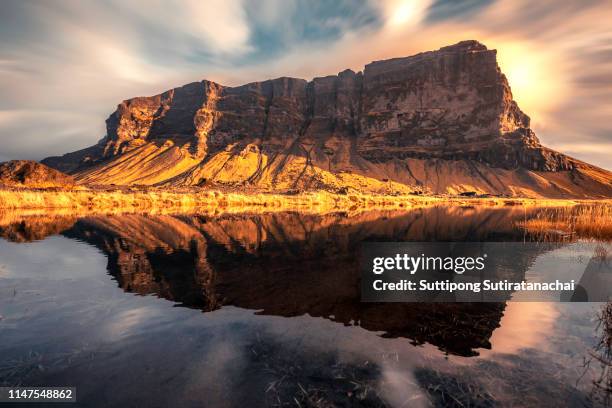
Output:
x=124 y=321
x=524 y=325
x=401 y=389
x=530 y=325
x=567 y=263
x=55 y=258
x=127 y=321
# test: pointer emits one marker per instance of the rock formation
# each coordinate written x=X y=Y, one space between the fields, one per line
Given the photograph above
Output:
x=442 y=121
x=25 y=173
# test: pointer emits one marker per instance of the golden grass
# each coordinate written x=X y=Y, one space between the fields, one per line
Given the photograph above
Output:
x=156 y=200
x=584 y=221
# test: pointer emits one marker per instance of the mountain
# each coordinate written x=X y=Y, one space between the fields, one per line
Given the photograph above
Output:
x=442 y=122
x=25 y=173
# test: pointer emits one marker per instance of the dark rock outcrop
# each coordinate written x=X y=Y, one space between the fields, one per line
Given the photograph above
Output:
x=25 y=173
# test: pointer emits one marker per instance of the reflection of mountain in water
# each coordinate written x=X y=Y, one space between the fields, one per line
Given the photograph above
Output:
x=33 y=228
x=290 y=264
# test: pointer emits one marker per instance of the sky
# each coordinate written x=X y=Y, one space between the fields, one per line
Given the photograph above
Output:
x=66 y=64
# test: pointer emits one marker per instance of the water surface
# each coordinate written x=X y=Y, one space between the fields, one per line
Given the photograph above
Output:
x=200 y=310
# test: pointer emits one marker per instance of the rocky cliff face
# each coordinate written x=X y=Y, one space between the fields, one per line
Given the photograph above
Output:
x=440 y=121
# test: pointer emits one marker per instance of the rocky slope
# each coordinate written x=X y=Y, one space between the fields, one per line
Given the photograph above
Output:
x=441 y=121
x=24 y=173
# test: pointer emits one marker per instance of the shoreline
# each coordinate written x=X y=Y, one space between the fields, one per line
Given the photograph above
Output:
x=91 y=201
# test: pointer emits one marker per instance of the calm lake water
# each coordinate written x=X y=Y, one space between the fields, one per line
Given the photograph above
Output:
x=264 y=310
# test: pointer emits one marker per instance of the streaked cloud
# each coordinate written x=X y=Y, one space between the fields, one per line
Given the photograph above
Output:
x=64 y=65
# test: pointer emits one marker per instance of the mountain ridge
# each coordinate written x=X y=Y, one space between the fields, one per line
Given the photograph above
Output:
x=437 y=122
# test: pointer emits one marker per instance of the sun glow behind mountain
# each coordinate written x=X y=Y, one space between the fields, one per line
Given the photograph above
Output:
x=536 y=78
